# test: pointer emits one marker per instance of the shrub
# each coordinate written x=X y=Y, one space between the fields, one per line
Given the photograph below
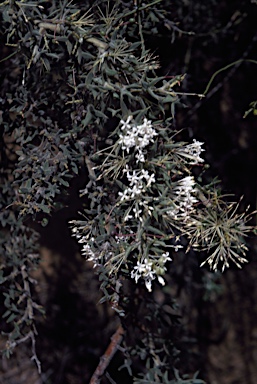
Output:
x=82 y=91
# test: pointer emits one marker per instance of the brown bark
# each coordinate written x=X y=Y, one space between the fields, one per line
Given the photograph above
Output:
x=108 y=355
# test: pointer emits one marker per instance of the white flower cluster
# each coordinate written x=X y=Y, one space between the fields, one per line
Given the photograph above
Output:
x=192 y=152
x=136 y=182
x=136 y=136
x=133 y=140
x=139 y=180
x=86 y=249
x=89 y=254
x=147 y=270
x=183 y=198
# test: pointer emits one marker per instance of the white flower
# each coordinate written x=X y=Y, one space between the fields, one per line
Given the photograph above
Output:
x=148 y=284
x=185 y=185
x=90 y=255
x=135 y=190
x=145 y=270
x=177 y=247
x=144 y=174
x=144 y=203
x=127 y=142
x=82 y=239
x=140 y=157
x=151 y=179
x=161 y=280
x=137 y=213
x=192 y=152
x=127 y=217
x=134 y=179
x=124 y=195
x=184 y=200
x=138 y=136
x=136 y=273
x=125 y=124
x=165 y=257
x=136 y=182
x=143 y=141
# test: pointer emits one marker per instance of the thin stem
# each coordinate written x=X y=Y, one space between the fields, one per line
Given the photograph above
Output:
x=8 y=57
x=141 y=8
x=236 y=63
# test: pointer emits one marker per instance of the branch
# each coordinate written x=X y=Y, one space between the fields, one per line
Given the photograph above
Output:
x=108 y=355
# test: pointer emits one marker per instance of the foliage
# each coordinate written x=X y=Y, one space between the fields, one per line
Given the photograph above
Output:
x=252 y=109
x=81 y=91
x=154 y=376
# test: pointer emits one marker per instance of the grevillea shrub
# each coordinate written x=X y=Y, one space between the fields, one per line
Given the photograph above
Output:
x=80 y=90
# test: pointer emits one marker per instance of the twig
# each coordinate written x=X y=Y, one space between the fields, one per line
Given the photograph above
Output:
x=30 y=335
x=108 y=355
x=34 y=356
x=8 y=57
x=234 y=66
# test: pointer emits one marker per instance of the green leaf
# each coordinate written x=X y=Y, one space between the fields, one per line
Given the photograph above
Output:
x=11 y=318
x=44 y=222
x=64 y=182
x=124 y=108
x=154 y=230
x=44 y=208
x=7 y=313
x=109 y=71
x=89 y=78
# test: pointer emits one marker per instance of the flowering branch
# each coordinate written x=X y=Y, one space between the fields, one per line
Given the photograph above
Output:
x=155 y=202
